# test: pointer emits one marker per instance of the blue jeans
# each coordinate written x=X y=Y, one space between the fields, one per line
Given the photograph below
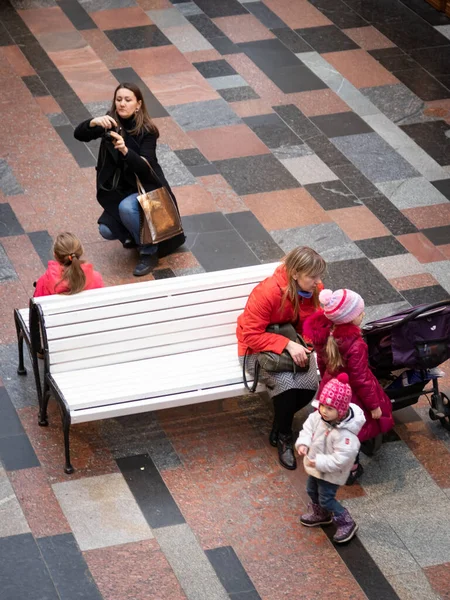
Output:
x=129 y=215
x=324 y=493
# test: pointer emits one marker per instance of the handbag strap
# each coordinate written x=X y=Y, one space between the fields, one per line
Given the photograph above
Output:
x=140 y=187
x=251 y=389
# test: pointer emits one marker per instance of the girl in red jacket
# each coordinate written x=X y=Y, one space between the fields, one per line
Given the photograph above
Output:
x=67 y=274
x=340 y=348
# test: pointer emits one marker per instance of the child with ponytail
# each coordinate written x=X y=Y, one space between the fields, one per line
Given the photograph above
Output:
x=67 y=274
x=336 y=335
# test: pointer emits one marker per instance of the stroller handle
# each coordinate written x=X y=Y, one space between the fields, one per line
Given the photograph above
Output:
x=421 y=310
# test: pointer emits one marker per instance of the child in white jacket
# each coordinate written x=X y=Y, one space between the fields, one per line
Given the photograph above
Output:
x=329 y=443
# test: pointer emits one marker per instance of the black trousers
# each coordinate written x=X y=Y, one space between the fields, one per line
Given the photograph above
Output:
x=287 y=404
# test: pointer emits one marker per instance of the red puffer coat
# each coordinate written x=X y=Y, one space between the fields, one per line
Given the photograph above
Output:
x=367 y=392
x=263 y=308
x=50 y=282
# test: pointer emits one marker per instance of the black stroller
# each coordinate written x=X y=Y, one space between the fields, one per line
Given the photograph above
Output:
x=405 y=350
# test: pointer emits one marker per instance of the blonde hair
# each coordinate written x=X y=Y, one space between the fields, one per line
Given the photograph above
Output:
x=68 y=250
x=301 y=261
x=333 y=357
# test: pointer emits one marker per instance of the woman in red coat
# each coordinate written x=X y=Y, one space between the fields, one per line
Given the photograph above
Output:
x=340 y=348
x=288 y=296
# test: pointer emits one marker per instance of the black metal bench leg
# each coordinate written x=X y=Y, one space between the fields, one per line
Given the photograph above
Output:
x=43 y=420
x=21 y=368
x=66 y=429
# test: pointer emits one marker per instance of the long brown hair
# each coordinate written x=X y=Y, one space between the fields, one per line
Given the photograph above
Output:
x=333 y=357
x=301 y=261
x=68 y=250
x=143 y=121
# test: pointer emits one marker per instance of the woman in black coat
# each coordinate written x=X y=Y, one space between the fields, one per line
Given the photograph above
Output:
x=128 y=134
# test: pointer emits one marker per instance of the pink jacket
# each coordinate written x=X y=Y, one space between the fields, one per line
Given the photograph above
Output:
x=46 y=284
x=367 y=392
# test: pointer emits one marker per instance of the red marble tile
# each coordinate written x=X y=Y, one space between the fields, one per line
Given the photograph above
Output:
x=17 y=60
x=243 y=28
x=46 y=20
x=180 y=88
x=38 y=502
x=368 y=38
x=194 y=199
x=438 y=578
x=148 y=574
x=117 y=18
x=13 y=296
x=172 y=134
x=115 y=263
x=438 y=108
x=62 y=40
x=358 y=222
x=255 y=78
x=24 y=259
x=299 y=14
x=420 y=247
x=361 y=69
x=105 y=49
x=252 y=108
x=424 y=217
x=224 y=196
x=89 y=454
x=410 y=282
x=154 y=4
x=231 y=141
x=48 y=105
x=445 y=249
x=160 y=60
x=432 y=453
x=286 y=209
x=202 y=55
x=318 y=102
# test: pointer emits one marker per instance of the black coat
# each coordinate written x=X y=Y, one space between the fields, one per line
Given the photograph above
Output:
x=116 y=176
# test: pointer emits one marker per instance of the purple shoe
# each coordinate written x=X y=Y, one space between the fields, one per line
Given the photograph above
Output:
x=346 y=527
x=316 y=516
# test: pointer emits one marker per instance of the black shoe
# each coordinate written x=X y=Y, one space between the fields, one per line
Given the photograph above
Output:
x=146 y=264
x=354 y=475
x=273 y=435
x=286 y=451
x=129 y=243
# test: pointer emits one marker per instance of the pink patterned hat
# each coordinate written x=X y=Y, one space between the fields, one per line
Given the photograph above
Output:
x=337 y=393
x=341 y=306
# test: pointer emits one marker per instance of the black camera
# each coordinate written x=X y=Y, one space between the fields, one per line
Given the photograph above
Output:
x=108 y=135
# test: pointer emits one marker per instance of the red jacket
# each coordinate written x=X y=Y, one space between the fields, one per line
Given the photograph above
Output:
x=45 y=285
x=263 y=308
x=367 y=392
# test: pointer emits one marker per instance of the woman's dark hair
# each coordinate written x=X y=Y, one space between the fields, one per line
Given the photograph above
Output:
x=143 y=121
x=68 y=250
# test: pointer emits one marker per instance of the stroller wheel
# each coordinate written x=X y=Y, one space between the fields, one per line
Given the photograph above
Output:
x=445 y=421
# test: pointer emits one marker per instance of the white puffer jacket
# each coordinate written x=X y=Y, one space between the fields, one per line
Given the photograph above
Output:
x=333 y=447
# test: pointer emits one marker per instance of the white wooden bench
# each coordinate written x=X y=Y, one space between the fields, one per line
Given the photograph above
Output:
x=141 y=347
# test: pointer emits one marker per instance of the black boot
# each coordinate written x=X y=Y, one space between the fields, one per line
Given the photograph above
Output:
x=129 y=243
x=273 y=435
x=146 y=264
x=286 y=451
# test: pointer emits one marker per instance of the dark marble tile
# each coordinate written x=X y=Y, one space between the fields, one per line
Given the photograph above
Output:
x=218 y=250
x=389 y=215
x=43 y=244
x=8 y=182
x=355 y=181
x=339 y=13
x=438 y=235
x=381 y=246
x=67 y=567
x=346 y=123
x=5 y=38
x=431 y=136
x=133 y=38
x=436 y=62
x=423 y=84
x=35 y=85
x=327 y=38
x=443 y=185
x=9 y=225
x=15 y=26
x=273 y=131
x=222 y=8
x=9 y=421
x=77 y=15
x=203 y=170
x=21 y=390
x=23 y=572
x=214 y=68
x=192 y=157
x=266 y=251
x=406 y=415
x=69 y=102
x=256 y=174
x=296 y=78
x=425 y=295
x=214 y=221
x=248 y=226
x=386 y=52
x=154 y=107
x=206 y=27
x=7 y=272
x=291 y=40
x=263 y=13
x=150 y=492
x=230 y=571
x=427 y=12
x=332 y=195
x=163 y=273
x=297 y=121
x=411 y=32
x=238 y=94
x=327 y=151
x=399 y=62
x=79 y=151
x=224 y=45
x=361 y=276
x=34 y=53
x=16 y=452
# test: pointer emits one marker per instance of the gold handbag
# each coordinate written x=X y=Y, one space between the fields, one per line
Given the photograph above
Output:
x=159 y=217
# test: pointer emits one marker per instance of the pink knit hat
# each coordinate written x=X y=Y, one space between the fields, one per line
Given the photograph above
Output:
x=337 y=394
x=341 y=306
